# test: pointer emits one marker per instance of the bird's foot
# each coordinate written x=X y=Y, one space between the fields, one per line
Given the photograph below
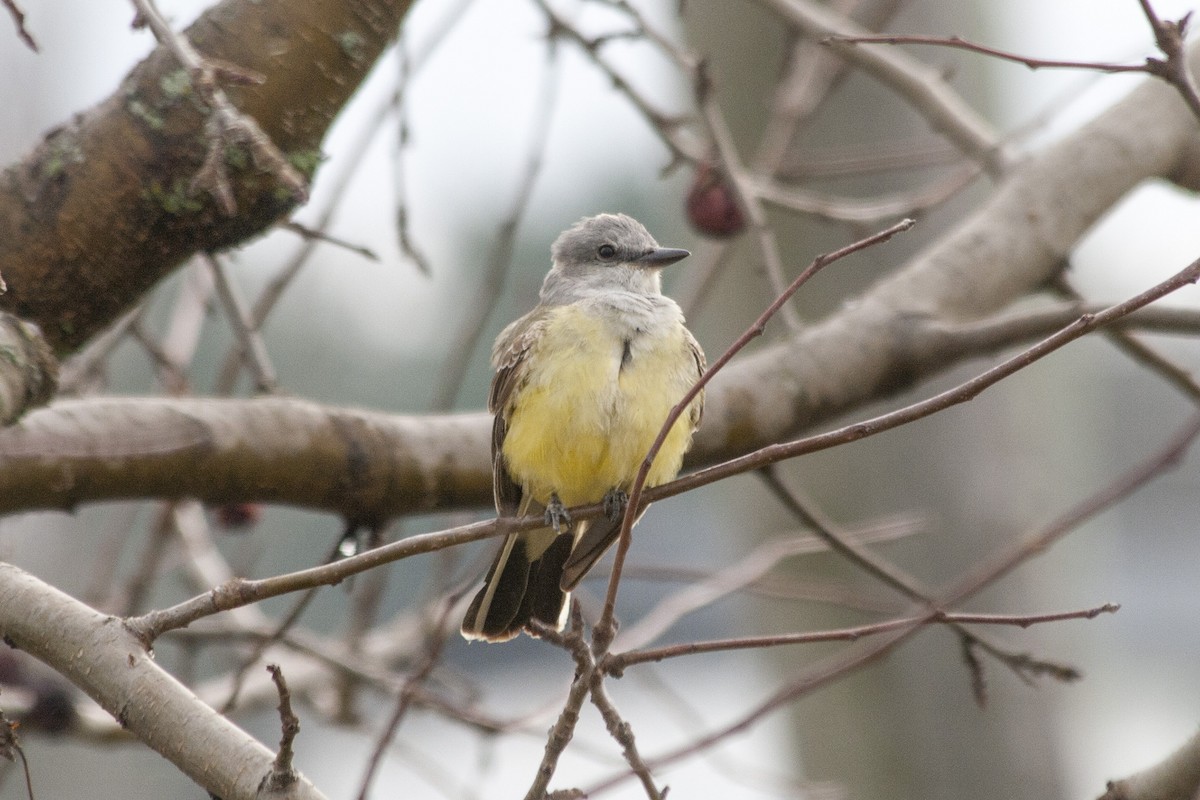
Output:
x=614 y=504
x=557 y=516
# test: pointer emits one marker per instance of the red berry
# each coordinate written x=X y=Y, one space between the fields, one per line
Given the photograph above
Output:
x=235 y=516
x=711 y=207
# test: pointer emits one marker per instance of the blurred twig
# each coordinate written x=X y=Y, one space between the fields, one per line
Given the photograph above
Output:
x=18 y=17
x=488 y=284
x=249 y=339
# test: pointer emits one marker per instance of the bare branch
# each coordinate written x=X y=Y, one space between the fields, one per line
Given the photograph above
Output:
x=249 y=338
x=616 y=663
x=1176 y=777
x=747 y=200
x=240 y=592
x=282 y=774
x=891 y=575
x=564 y=727
x=1169 y=36
x=120 y=675
x=963 y=44
x=312 y=234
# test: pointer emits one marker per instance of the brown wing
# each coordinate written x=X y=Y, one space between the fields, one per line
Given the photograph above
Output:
x=509 y=359
x=697 y=410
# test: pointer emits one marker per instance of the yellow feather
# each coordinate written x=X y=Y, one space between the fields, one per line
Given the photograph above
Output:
x=580 y=425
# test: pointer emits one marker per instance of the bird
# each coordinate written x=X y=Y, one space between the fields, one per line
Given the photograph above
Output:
x=583 y=384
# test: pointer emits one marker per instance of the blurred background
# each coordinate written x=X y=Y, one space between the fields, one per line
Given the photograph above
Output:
x=382 y=334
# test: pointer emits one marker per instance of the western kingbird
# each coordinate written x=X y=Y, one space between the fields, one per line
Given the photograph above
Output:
x=583 y=385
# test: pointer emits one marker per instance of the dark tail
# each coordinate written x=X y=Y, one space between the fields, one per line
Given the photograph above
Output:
x=519 y=588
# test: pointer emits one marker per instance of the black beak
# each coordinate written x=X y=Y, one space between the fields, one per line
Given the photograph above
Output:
x=661 y=257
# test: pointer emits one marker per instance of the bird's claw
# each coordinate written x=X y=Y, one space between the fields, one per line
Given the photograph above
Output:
x=557 y=516
x=614 y=503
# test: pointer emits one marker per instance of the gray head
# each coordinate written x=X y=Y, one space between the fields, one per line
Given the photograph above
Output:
x=606 y=252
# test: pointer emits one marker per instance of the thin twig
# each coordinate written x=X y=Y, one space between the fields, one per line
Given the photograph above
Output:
x=239 y=592
x=18 y=17
x=667 y=126
x=282 y=774
x=564 y=727
x=1125 y=341
x=10 y=745
x=404 y=237
x=622 y=732
x=963 y=44
x=588 y=672
x=1170 y=36
x=1025 y=666
x=821 y=675
x=248 y=336
x=616 y=663
x=703 y=590
x=748 y=201
x=313 y=234
x=872 y=210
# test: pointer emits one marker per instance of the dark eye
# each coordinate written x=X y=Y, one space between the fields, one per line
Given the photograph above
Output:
x=607 y=251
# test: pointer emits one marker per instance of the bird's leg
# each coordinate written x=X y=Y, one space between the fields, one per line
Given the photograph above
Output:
x=556 y=514
x=614 y=503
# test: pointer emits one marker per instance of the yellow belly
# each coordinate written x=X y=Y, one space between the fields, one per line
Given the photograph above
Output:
x=581 y=424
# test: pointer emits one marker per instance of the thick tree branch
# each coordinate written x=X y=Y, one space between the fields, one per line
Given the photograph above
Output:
x=1176 y=777
x=118 y=673
x=367 y=466
x=104 y=207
